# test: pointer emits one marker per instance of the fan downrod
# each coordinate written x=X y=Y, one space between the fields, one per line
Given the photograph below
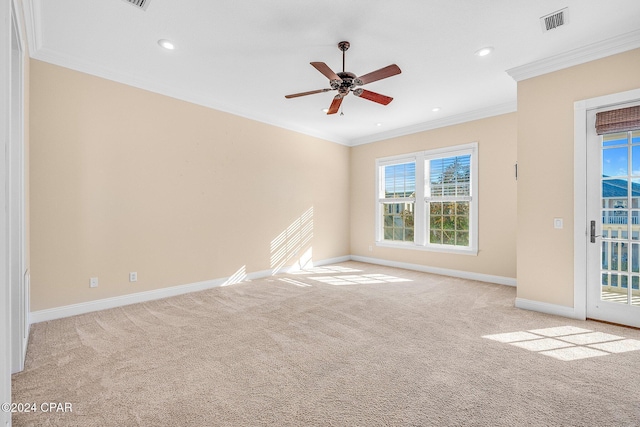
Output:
x=343 y=46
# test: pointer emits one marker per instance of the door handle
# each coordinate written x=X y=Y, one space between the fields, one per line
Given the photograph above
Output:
x=593 y=234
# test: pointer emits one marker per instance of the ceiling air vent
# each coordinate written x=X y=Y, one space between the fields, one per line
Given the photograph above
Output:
x=555 y=20
x=142 y=4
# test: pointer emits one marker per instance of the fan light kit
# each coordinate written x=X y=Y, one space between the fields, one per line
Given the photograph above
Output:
x=345 y=82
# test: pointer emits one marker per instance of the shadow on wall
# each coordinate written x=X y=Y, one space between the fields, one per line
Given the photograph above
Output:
x=286 y=246
x=293 y=240
x=237 y=277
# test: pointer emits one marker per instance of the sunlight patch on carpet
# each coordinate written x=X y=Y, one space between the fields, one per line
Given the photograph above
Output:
x=331 y=269
x=567 y=343
x=355 y=279
x=294 y=282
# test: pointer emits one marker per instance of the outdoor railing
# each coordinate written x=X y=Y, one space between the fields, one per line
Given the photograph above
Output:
x=620 y=220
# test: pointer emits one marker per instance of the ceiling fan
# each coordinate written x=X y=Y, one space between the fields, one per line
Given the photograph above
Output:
x=345 y=82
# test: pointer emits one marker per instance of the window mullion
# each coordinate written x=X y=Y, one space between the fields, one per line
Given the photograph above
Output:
x=419 y=207
x=396 y=200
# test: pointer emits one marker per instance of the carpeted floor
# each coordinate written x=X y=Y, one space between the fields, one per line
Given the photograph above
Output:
x=345 y=345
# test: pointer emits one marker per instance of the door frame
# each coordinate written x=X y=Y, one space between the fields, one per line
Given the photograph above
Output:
x=18 y=275
x=580 y=227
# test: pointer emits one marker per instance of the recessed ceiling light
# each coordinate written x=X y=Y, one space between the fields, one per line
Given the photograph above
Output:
x=435 y=109
x=484 y=51
x=166 y=44
x=378 y=124
x=325 y=110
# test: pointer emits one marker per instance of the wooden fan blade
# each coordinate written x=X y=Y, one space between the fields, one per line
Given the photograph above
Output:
x=382 y=73
x=372 y=96
x=295 y=95
x=335 y=105
x=324 y=69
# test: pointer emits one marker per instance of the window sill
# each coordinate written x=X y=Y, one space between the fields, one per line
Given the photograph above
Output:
x=441 y=249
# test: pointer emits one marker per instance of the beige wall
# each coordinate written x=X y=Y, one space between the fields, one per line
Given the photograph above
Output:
x=496 y=139
x=127 y=180
x=545 y=159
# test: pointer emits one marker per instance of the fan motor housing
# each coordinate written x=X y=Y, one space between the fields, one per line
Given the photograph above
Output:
x=349 y=81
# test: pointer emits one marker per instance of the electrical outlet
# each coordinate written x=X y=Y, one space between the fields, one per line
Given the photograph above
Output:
x=133 y=276
x=93 y=282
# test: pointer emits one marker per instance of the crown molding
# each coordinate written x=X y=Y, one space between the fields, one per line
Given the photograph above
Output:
x=578 y=56
x=31 y=13
x=457 y=119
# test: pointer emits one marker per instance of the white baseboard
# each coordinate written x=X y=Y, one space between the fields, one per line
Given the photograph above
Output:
x=106 y=303
x=543 y=307
x=501 y=280
x=103 y=304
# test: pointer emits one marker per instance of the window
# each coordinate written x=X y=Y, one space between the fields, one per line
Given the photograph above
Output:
x=399 y=201
x=428 y=200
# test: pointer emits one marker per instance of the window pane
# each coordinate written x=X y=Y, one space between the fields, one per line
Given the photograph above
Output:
x=462 y=223
x=635 y=192
x=615 y=192
x=449 y=208
x=462 y=238
x=388 y=233
x=614 y=139
x=449 y=237
x=615 y=161
x=450 y=176
x=408 y=235
x=398 y=221
x=448 y=223
x=462 y=208
x=613 y=282
x=400 y=180
x=635 y=160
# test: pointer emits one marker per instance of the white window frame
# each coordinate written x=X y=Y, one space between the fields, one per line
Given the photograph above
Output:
x=421 y=220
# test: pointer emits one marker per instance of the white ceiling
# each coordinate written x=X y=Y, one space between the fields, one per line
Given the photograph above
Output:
x=243 y=56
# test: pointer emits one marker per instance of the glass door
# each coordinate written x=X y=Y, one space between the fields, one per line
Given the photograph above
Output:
x=613 y=205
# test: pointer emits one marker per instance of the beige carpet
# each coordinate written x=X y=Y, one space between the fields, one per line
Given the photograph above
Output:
x=346 y=345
